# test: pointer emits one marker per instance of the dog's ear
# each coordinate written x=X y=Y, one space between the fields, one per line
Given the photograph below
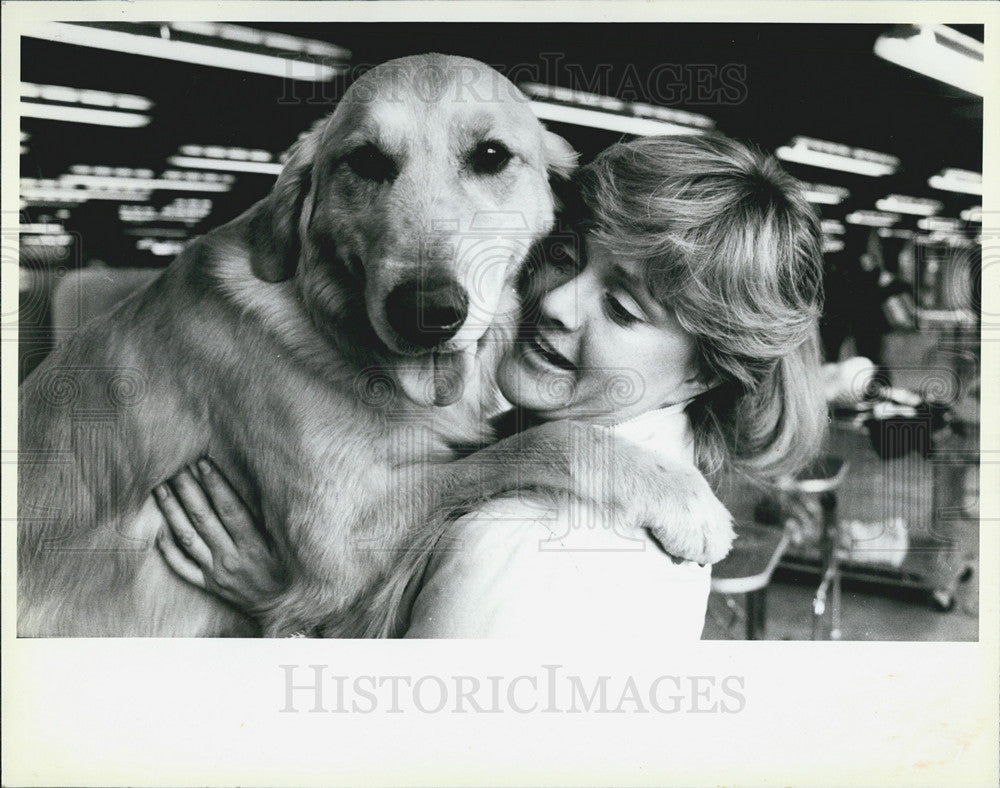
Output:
x=560 y=158
x=274 y=225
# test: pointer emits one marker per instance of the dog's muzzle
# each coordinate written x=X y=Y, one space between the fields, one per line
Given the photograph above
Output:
x=426 y=313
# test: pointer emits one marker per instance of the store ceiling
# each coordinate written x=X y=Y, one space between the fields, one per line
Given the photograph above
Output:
x=816 y=80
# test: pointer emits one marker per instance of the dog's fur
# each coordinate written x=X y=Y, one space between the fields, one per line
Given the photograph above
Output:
x=266 y=346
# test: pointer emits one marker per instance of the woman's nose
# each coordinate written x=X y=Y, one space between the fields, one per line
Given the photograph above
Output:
x=561 y=305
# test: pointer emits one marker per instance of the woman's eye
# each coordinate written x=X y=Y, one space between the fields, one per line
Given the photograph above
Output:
x=369 y=163
x=563 y=256
x=623 y=310
x=489 y=158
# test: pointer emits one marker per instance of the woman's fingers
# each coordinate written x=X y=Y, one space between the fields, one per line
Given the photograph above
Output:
x=178 y=561
x=182 y=528
x=201 y=516
x=235 y=516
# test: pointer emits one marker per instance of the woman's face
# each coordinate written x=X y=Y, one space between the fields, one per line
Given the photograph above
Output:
x=602 y=348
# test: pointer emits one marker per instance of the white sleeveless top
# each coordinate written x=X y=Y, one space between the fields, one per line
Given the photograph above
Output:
x=518 y=569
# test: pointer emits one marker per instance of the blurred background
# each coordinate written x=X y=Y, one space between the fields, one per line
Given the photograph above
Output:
x=136 y=138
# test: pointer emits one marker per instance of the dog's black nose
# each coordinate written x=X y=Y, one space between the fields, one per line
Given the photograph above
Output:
x=426 y=313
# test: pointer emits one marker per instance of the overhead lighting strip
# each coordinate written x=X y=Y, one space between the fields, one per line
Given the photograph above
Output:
x=230 y=165
x=872 y=218
x=169 y=181
x=940 y=224
x=822 y=194
x=596 y=119
x=163 y=41
x=95 y=117
x=917 y=206
x=87 y=97
x=836 y=156
x=938 y=52
x=951 y=179
x=580 y=108
x=75 y=105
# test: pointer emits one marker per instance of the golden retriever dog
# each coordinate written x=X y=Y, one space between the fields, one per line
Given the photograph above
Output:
x=325 y=348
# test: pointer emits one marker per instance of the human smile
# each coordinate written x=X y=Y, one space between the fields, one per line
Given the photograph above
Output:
x=544 y=349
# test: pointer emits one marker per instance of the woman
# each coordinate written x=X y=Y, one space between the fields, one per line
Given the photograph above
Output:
x=697 y=284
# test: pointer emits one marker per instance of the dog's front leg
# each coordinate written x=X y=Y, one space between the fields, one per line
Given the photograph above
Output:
x=568 y=461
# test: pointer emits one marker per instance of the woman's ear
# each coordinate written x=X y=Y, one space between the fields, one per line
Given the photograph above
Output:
x=274 y=225
x=699 y=383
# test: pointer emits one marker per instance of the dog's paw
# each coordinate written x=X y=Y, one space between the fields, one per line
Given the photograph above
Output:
x=689 y=522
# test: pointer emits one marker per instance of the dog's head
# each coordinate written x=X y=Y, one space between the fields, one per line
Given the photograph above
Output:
x=424 y=189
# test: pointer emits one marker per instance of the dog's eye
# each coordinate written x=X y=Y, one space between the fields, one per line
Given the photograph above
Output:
x=489 y=157
x=370 y=163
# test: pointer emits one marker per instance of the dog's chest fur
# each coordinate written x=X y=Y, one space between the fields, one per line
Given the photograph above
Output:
x=326 y=435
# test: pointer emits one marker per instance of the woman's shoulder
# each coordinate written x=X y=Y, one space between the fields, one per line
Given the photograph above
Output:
x=515 y=568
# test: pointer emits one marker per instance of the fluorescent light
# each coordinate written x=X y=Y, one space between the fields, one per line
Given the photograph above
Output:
x=973 y=214
x=597 y=101
x=872 y=218
x=832 y=245
x=45 y=196
x=62 y=239
x=99 y=169
x=918 y=206
x=262 y=38
x=598 y=119
x=938 y=52
x=40 y=228
x=885 y=232
x=72 y=114
x=86 y=96
x=940 y=224
x=265 y=168
x=186 y=210
x=146 y=184
x=821 y=194
x=149 y=45
x=49 y=190
x=835 y=156
x=160 y=248
x=832 y=227
x=220 y=152
x=955 y=180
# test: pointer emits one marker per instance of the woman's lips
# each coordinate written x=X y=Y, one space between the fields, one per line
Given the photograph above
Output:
x=550 y=354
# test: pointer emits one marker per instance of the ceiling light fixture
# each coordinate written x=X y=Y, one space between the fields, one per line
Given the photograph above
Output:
x=835 y=156
x=938 y=52
x=93 y=98
x=885 y=232
x=41 y=228
x=822 y=194
x=918 y=206
x=45 y=191
x=166 y=183
x=598 y=119
x=872 y=218
x=199 y=163
x=944 y=224
x=951 y=179
x=216 y=45
x=72 y=114
x=579 y=108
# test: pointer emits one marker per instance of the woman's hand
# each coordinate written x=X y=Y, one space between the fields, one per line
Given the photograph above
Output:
x=213 y=542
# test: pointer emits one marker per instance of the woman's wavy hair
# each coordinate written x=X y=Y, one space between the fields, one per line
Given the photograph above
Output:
x=733 y=248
